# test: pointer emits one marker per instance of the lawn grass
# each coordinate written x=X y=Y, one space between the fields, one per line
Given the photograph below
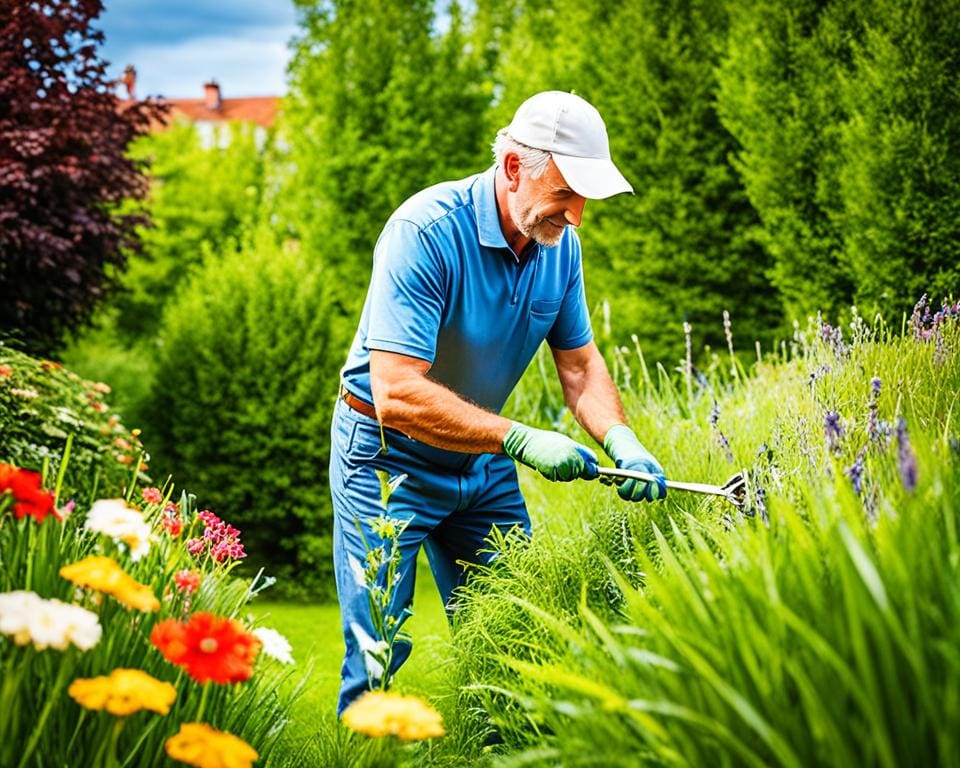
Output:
x=315 y=636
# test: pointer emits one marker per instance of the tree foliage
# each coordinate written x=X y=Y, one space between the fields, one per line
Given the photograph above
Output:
x=241 y=407
x=900 y=177
x=686 y=245
x=202 y=199
x=846 y=115
x=63 y=171
x=381 y=104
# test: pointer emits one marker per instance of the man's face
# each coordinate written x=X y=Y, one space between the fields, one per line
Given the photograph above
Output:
x=541 y=208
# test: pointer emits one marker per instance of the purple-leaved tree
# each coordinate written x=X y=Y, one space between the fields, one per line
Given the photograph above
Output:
x=63 y=170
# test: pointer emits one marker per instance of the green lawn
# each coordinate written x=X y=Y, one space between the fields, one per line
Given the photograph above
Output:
x=314 y=633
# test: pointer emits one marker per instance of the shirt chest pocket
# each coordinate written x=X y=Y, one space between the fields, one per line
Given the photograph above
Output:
x=543 y=313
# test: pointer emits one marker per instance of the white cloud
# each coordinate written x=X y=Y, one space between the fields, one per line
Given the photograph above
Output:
x=249 y=64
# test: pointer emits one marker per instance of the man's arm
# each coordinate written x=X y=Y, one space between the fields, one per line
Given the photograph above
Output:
x=588 y=389
x=408 y=401
x=593 y=399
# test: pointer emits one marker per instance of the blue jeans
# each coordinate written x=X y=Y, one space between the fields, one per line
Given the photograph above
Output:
x=450 y=500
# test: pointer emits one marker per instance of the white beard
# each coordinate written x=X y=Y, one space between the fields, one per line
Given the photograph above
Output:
x=540 y=230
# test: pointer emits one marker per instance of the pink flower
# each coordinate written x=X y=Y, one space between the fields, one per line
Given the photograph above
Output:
x=196 y=546
x=186 y=581
x=152 y=495
x=224 y=538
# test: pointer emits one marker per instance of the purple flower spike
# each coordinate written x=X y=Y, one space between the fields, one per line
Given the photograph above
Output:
x=875 y=386
x=906 y=458
x=833 y=429
x=855 y=471
x=721 y=438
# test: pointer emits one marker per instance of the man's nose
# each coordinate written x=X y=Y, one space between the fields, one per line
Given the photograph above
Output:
x=574 y=211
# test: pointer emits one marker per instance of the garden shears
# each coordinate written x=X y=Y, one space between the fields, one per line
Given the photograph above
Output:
x=734 y=490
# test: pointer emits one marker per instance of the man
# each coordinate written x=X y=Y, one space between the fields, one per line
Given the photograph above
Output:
x=469 y=277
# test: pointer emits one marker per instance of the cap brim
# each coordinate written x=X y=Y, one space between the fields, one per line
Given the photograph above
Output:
x=592 y=177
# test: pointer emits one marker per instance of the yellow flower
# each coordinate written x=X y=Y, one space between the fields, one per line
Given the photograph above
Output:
x=123 y=692
x=105 y=575
x=200 y=745
x=382 y=714
x=133 y=594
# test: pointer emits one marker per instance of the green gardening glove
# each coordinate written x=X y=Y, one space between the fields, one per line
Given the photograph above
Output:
x=622 y=445
x=553 y=455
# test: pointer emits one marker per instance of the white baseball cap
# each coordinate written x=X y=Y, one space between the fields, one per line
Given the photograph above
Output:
x=572 y=131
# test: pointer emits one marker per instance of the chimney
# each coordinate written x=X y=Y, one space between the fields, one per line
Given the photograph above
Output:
x=129 y=81
x=211 y=95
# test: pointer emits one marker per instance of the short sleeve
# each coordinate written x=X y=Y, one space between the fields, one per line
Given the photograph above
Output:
x=406 y=293
x=572 y=327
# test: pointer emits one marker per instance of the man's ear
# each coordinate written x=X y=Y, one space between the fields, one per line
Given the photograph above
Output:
x=511 y=169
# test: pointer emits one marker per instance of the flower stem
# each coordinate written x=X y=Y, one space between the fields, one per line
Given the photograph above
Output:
x=203 y=702
x=110 y=759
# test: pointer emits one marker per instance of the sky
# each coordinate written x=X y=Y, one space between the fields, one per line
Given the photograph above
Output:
x=178 y=45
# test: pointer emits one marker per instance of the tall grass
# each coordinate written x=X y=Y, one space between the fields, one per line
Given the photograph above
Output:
x=818 y=627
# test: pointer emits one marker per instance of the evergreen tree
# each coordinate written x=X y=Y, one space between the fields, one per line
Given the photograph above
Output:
x=778 y=96
x=240 y=408
x=900 y=179
x=685 y=247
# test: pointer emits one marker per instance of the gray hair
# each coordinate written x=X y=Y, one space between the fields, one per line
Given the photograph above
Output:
x=534 y=160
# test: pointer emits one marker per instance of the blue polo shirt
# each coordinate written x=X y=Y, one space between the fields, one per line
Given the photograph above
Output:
x=446 y=288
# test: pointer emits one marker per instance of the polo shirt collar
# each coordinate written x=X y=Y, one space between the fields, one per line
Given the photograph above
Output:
x=485 y=205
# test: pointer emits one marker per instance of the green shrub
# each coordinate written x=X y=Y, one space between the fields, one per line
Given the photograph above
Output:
x=42 y=404
x=240 y=408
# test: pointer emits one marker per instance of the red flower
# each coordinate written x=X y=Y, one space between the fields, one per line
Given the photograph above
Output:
x=208 y=647
x=187 y=581
x=29 y=497
x=170 y=520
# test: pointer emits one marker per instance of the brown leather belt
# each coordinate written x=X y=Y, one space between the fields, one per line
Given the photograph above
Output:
x=360 y=406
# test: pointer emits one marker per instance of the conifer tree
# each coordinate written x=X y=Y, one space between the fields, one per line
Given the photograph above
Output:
x=685 y=246
x=778 y=95
x=900 y=179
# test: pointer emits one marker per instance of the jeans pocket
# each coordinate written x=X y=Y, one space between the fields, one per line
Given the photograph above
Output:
x=366 y=442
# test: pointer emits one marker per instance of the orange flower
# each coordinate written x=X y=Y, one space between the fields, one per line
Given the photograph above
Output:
x=208 y=647
x=6 y=370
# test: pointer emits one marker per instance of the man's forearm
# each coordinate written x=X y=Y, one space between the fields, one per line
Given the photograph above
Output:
x=597 y=405
x=431 y=413
x=590 y=393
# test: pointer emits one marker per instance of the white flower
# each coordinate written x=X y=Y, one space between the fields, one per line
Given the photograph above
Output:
x=82 y=626
x=115 y=519
x=359 y=575
x=370 y=648
x=15 y=610
x=47 y=623
x=274 y=644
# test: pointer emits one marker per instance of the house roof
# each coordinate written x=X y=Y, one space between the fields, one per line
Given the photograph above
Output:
x=261 y=110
